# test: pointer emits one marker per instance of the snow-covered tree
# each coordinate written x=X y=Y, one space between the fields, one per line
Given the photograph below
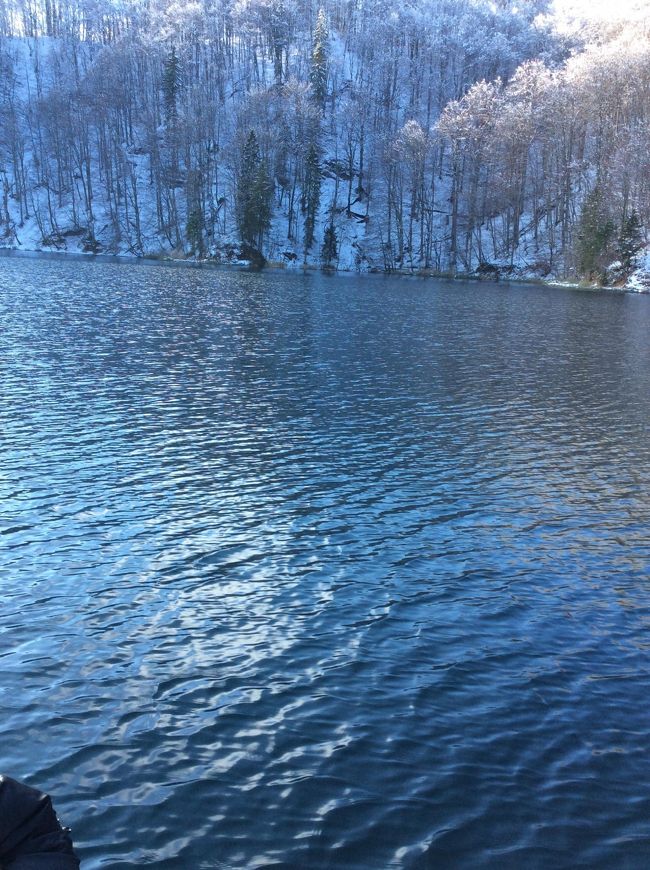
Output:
x=319 y=58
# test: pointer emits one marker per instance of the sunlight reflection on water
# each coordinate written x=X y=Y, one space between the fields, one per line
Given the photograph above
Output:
x=325 y=573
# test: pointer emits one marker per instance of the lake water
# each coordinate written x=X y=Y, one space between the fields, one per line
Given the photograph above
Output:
x=313 y=572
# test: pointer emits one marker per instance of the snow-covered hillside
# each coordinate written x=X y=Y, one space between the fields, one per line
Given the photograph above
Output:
x=435 y=137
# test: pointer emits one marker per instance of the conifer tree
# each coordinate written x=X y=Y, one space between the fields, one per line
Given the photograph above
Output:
x=311 y=194
x=594 y=236
x=329 y=250
x=630 y=241
x=171 y=82
x=254 y=193
x=262 y=198
x=194 y=231
x=319 y=59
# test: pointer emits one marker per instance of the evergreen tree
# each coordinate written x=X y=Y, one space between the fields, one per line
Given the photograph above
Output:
x=311 y=194
x=594 y=236
x=319 y=59
x=329 y=250
x=630 y=241
x=262 y=199
x=171 y=83
x=254 y=193
x=194 y=231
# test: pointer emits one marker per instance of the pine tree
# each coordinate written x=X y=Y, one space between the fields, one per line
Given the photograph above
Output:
x=594 y=236
x=329 y=250
x=171 y=82
x=630 y=241
x=311 y=194
x=254 y=193
x=194 y=231
x=262 y=197
x=319 y=59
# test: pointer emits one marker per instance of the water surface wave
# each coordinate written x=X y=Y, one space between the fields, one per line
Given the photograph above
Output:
x=324 y=573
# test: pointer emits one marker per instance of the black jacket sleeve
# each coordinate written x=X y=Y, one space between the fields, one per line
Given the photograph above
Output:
x=31 y=837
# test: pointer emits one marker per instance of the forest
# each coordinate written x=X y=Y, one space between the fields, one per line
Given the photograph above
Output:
x=429 y=136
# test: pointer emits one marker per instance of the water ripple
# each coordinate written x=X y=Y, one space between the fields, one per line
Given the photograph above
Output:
x=311 y=573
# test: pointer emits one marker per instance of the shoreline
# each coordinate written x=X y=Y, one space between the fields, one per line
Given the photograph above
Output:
x=241 y=266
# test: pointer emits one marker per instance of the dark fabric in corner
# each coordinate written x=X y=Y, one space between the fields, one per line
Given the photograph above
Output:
x=31 y=837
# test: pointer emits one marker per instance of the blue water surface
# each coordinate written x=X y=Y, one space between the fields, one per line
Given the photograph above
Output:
x=313 y=572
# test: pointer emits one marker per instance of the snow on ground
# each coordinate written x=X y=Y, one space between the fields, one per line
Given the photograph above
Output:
x=358 y=230
x=639 y=280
